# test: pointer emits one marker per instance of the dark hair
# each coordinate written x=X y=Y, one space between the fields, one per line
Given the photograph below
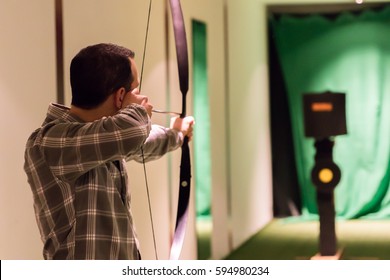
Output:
x=97 y=71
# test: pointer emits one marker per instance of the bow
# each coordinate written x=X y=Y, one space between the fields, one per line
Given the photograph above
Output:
x=185 y=165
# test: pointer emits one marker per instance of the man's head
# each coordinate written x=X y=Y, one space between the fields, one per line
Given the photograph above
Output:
x=98 y=71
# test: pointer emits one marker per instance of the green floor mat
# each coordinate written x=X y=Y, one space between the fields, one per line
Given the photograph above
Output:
x=282 y=239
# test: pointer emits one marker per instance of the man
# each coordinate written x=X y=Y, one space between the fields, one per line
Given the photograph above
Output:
x=75 y=162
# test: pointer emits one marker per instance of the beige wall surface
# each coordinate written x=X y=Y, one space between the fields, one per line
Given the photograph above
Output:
x=27 y=85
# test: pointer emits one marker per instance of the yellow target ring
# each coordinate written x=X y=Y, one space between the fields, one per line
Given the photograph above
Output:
x=325 y=175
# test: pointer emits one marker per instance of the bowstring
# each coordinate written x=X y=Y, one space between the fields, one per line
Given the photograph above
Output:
x=142 y=150
x=145 y=43
x=149 y=204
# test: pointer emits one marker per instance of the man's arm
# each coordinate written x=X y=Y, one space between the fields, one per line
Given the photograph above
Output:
x=162 y=140
x=71 y=149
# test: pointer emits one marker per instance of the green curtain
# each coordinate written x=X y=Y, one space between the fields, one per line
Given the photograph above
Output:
x=348 y=53
x=202 y=116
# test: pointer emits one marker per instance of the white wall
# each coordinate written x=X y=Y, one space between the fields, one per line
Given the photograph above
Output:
x=27 y=85
x=249 y=119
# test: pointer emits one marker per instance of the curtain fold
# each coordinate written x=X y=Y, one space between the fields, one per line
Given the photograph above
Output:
x=202 y=148
x=349 y=53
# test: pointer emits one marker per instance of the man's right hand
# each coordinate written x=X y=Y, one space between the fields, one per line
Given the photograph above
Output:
x=134 y=96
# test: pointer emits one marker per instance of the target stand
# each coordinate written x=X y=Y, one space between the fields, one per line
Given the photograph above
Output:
x=325 y=176
x=324 y=115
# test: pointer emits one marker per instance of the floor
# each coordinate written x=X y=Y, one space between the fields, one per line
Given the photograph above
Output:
x=285 y=239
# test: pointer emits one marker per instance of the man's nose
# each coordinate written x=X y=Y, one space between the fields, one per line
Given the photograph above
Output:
x=144 y=98
x=135 y=91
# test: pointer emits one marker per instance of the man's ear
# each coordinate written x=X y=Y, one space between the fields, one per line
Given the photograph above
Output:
x=119 y=96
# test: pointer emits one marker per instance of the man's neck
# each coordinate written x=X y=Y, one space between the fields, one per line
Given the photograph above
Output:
x=89 y=115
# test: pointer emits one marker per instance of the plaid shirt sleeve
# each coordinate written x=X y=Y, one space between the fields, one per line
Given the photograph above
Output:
x=160 y=141
x=73 y=148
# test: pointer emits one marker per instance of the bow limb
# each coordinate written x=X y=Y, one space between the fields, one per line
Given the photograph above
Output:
x=185 y=165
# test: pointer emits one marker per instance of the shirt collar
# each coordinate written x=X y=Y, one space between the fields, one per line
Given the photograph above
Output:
x=60 y=112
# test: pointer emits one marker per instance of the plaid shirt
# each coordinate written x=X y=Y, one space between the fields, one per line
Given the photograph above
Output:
x=79 y=182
